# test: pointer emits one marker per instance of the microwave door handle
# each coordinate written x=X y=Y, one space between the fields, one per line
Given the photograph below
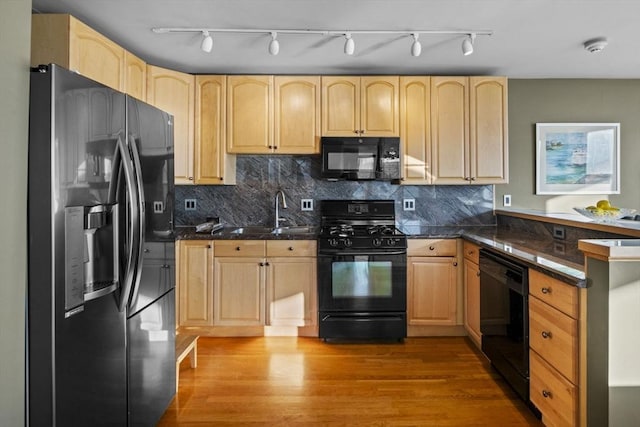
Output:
x=140 y=226
x=132 y=237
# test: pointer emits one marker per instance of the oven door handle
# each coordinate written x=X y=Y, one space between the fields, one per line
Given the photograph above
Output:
x=364 y=253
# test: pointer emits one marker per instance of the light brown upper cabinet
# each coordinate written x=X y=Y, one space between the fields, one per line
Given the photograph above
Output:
x=297 y=114
x=415 y=129
x=469 y=130
x=174 y=93
x=135 y=76
x=250 y=114
x=366 y=106
x=212 y=163
x=66 y=41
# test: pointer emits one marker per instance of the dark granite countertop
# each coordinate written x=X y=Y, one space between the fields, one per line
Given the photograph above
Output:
x=538 y=254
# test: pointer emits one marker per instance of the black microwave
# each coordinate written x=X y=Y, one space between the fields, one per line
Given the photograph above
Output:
x=360 y=158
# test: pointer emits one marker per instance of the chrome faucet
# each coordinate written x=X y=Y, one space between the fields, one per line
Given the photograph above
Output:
x=277 y=208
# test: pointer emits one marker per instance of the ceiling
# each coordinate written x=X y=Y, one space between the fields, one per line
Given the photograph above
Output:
x=531 y=38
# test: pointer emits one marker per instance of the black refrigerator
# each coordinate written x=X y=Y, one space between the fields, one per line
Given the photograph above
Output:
x=101 y=275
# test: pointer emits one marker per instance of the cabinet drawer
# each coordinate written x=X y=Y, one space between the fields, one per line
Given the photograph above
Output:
x=554 y=396
x=291 y=248
x=471 y=252
x=558 y=294
x=431 y=247
x=239 y=248
x=554 y=335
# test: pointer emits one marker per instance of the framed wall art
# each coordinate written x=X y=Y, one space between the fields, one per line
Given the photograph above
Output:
x=577 y=158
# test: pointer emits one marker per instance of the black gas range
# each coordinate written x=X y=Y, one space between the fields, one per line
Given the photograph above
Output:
x=361 y=271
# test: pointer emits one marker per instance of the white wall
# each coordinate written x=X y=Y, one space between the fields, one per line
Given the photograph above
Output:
x=15 y=39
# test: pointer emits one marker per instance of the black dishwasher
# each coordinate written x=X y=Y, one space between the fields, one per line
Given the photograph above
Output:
x=504 y=318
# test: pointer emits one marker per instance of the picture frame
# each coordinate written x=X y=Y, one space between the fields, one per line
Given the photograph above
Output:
x=577 y=158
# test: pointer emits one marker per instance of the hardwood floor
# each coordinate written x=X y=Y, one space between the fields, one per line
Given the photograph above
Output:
x=291 y=381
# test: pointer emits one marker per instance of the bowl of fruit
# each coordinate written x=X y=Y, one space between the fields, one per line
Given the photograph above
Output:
x=603 y=211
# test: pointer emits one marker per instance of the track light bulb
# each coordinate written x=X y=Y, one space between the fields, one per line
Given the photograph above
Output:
x=274 y=44
x=207 y=42
x=349 y=45
x=416 y=47
x=467 y=44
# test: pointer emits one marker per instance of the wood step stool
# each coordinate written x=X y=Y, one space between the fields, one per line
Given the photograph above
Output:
x=186 y=345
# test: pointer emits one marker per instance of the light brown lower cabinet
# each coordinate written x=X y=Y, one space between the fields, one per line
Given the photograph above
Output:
x=554 y=349
x=195 y=282
x=248 y=287
x=432 y=271
x=472 y=292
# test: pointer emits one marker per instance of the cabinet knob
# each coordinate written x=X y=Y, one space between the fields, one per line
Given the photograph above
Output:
x=146 y=251
x=478 y=273
x=275 y=147
x=546 y=334
x=361 y=132
x=470 y=252
x=267 y=264
x=432 y=248
x=261 y=264
x=237 y=248
x=546 y=393
x=455 y=263
x=190 y=178
x=546 y=290
x=472 y=178
x=208 y=246
x=221 y=178
x=466 y=178
x=290 y=248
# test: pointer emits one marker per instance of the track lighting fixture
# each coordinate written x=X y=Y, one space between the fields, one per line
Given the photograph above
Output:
x=416 y=47
x=207 y=42
x=349 y=45
x=274 y=44
x=467 y=44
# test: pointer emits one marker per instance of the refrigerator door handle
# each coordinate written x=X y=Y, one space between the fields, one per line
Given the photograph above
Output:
x=141 y=220
x=133 y=234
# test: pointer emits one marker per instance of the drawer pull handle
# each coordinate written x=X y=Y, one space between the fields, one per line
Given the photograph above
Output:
x=290 y=248
x=431 y=248
x=546 y=334
x=546 y=393
x=546 y=290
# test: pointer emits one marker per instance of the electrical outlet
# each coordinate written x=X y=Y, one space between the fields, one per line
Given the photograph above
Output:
x=506 y=200
x=559 y=232
x=306 y=204
x=158 y=207
x=409 y=204
x=190 y=204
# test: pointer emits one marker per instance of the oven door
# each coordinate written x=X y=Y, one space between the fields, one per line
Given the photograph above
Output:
x=362 y=282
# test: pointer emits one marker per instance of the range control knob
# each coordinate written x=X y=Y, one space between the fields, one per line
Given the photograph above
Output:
x=377 y=242
x=333 y=242
x=347 y=243
x=391 y=242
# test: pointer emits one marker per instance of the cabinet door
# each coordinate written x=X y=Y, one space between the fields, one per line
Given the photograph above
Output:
x=488 y=132
x=415 y=129
x=472 y=300
x=292 y=291
x=239 y=291
x=250 y=114
x=174 y=93
x=297 y=114
x=195 y=283
x=449 y=130
x=135 y=76
x=95 y=56
x=212 y=163
x=340 y=106
x=431 y=286
x=379 y=106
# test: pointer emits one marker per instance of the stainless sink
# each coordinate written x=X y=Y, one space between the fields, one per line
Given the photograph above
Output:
x=294 y=229
x=252 y=229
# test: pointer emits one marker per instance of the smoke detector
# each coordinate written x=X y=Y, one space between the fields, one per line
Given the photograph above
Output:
x=596 y=45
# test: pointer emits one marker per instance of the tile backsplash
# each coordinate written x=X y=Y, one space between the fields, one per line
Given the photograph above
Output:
x=259 y=177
